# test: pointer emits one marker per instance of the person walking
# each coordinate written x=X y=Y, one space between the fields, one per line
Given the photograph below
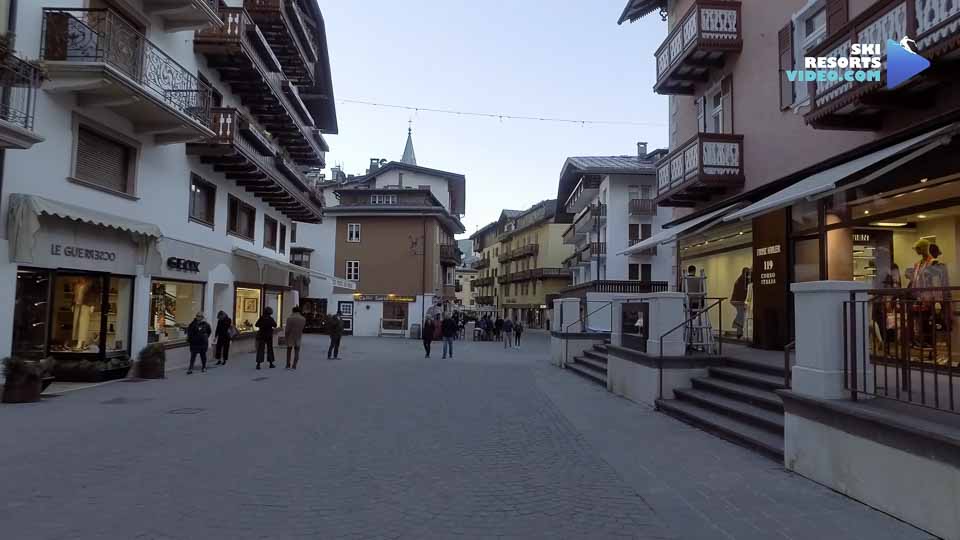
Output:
x=518 y=331
x=497 y=328
x=449 y=331
x=738 y=299
x=265 y=326
x=335 y=329
x=507 y=334
x=426 y=333
x=198 y=337
x=293 y=333
x=223 y=335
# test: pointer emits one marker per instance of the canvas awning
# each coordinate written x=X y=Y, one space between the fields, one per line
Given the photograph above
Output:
x=23 y=223
x=290 y=267
x=669 y=235
x=822 y=183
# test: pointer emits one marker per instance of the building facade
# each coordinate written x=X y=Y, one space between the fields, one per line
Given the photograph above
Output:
x=607 y=205
x=171 y=145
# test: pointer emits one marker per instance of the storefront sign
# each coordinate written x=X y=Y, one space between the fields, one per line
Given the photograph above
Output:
x=79 y=252
x=183 y=265
x=383 y=298
x=768 y=270
x=771 y=276
x=861 y=238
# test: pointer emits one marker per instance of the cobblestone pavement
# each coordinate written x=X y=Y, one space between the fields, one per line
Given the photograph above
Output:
x=388 y=444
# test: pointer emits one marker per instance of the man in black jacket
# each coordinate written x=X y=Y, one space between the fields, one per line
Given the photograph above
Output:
x=265 y=326
x=448 y=328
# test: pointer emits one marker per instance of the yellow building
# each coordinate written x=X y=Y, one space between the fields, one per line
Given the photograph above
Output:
x=521 y=264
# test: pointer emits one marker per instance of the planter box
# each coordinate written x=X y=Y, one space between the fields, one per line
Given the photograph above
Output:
x=75 y=372
x=151 y=369
x=22 y=393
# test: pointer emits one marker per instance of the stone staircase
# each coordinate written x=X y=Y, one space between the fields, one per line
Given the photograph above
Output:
x=737 y=402
x=592 y=364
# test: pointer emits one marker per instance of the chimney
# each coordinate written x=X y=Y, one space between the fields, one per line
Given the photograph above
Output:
x=641 y=150
x=374 y=165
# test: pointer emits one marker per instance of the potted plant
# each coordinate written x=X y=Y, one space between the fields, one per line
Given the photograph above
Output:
x=115 y=368
x=25 y=380
x=152 y=361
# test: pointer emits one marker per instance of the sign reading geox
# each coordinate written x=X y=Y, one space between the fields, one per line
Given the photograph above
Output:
x=183 y=265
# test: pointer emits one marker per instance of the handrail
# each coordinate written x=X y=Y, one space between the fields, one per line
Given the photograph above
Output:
x=566 y=342
x=718 y=302
x=787 y=376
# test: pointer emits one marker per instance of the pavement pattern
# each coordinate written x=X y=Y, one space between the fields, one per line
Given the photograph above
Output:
x=387 y=444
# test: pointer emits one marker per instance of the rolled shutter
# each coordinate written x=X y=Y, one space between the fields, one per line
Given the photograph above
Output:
x=102 y=161
x=785 y=43
x=838 y=14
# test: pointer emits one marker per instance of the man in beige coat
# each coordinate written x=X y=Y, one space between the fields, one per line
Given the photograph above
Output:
x=292 y=333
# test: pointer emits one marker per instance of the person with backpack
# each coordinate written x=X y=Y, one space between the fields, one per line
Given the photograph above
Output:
x=448 y=328
x=518 y=331
x=426 y=333
x=223 y=335
x=508 y=334
x=265 y=326
x=198 y=337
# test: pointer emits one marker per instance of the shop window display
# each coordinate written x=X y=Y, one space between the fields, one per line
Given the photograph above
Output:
x=274 y=300
x=173 y=305
x=91 y=314
x=247 y=309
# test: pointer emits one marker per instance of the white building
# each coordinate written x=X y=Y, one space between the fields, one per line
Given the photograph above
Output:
x=170 y=175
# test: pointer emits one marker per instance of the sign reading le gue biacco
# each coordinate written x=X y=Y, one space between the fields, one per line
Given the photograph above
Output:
x=78 y=252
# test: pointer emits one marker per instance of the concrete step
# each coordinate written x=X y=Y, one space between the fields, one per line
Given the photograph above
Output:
x=749 y=378
x=588 y=373
x=746 y=394
x=603 y=349
x=592 y=363
x=736 y=431
x=757 y=416
x=756 y=365
x=594 y=355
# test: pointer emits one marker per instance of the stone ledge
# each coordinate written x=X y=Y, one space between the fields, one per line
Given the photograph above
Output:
x=580 y=336
x=669 y=362
x=925 y=433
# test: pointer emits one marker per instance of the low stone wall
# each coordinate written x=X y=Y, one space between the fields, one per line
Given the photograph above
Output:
x=636 y=375
x=908 y=468
x=565 y=346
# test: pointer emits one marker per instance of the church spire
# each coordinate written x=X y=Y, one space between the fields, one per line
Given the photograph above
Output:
x=409 y=156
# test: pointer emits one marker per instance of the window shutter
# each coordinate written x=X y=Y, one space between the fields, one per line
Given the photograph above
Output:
x=785 y=41
x=838 y=14
x=701 y=114
x=726 y=90
x=101 y=161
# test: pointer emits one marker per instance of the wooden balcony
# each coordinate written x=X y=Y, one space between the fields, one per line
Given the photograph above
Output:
x=245 y=61
x=550 y=273
x=19 y=83
x=584 y=193
x=598 y=249
x=242 y=153
x=180 y=15
x=520 y=252
x=482 y=282
x=282 y=24
x=105 y=62
x=707 y=166
x=449 y=254
x=863 y=105
x=486 y=300
x=643 y=207
x=708 y=33
x=480 y=264
x=622 y=287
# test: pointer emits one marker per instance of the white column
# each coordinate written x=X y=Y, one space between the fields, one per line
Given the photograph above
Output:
x=665 y=314
x=569 y=319
x=141 y=312
x=820 y=324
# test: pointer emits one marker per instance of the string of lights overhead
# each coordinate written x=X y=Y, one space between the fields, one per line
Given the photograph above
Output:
x=500 y=116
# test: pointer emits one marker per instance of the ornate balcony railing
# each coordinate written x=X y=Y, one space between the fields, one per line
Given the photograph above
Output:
x=103 y=36
x=709 y=30
x=935 y=26
x=643 y=207
x=710 y=162
x=19 y=80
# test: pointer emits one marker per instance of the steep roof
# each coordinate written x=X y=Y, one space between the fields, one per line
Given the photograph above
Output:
x=575 y=167
x=638 y=8
x=409 y=156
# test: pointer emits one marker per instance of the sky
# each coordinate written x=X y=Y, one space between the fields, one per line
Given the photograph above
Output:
x=543 y=58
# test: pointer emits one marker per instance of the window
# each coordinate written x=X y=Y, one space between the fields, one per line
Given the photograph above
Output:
x=353 y=232
x=633 y=272
x=381 y=198
x=353 y=270
x=91 y=314
x=634 y=231
x=173 y=305
x=646 y=192
x=646 y=272
x=646 y=230
x=241 y=219
x=246 y=308
x=269 y=232
x=283 y=238
x=809 y=30
x=104 y=162
x=293 y=232
x=203 y=200
x=300 y=258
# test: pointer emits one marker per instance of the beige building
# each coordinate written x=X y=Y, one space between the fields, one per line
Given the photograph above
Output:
x=521 y=263
x=466 y=302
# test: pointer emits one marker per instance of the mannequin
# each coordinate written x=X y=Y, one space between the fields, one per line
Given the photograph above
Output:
x=942 y=308
x=923 y=278
x=84 y=300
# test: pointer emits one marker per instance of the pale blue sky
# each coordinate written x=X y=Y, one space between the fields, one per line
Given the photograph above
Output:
x=558 y=58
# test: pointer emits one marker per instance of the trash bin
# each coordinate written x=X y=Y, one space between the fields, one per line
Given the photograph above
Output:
x=415 y=331
x=468 y=331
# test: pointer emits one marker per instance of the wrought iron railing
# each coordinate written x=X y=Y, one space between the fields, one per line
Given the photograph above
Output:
x=899 y=344
x=616 y=287
x=692 y=327
x=18 y=96
x=101 y=35
x=449 y=252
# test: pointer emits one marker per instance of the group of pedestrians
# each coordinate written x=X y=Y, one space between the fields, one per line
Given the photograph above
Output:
x=199 y=333
x=446 y=329
x=499 y=329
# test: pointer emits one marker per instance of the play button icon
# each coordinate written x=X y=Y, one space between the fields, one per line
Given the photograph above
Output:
x=902 y=63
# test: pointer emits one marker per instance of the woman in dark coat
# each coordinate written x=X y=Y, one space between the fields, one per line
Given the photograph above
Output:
x=265 y=325
x=198 y=337
x=222 y=349
x=427 y=334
